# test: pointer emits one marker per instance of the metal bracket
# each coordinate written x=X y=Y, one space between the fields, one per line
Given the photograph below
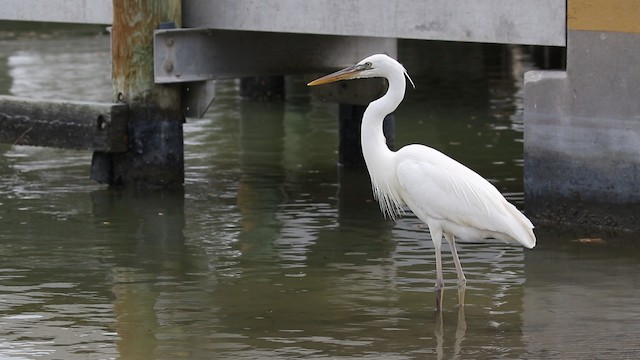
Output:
x=197 y=97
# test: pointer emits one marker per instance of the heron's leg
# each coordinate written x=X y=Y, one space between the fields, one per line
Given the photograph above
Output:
x=436 y=237
x=462 y=280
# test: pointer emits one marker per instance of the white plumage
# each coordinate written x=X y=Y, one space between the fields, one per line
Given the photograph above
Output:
x=450 y=198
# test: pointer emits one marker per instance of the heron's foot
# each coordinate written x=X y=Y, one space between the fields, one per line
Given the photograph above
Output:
x=462 y=288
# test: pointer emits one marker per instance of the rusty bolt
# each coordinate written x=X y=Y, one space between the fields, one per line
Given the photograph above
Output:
x=168 y=66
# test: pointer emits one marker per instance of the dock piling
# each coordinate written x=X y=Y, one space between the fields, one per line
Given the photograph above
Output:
x=350 y=146
x=582 y=125
x=262 y=87
x=155 y=154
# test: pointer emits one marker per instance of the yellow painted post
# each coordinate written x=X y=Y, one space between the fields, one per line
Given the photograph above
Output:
x=604 y=15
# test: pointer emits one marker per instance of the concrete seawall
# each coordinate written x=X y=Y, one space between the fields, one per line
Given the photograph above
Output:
x=582 y=125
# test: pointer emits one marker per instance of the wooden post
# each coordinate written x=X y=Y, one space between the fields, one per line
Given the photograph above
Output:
x=155 y=156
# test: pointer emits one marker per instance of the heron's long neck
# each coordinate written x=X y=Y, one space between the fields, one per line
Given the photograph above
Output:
x=372 y=135
x=377 y=156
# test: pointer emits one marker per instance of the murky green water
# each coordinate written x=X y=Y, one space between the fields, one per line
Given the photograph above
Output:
x=272 y=252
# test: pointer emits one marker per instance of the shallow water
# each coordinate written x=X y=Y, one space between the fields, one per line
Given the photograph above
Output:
x=272 y=251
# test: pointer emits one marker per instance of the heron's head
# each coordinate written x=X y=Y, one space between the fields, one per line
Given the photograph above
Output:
x=378 y=65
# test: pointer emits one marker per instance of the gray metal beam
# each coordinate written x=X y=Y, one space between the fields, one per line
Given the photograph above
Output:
x=197 y=57
x=533 y=22
x=188 y=55
x=63 y=124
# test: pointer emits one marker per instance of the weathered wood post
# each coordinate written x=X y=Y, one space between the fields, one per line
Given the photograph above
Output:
x=155 y=156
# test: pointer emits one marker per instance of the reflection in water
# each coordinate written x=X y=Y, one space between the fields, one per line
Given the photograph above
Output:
x=461 y=330
x=263 y=177
x=6 y=80
x=272 y=251
x=147 y=248
x=58 y=68
x=583 y=298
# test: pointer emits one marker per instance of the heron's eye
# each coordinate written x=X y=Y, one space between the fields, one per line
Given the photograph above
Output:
x=365 y=66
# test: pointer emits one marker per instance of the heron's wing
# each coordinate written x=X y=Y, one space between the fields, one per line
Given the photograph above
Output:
x=443 y=189
x=445 y=194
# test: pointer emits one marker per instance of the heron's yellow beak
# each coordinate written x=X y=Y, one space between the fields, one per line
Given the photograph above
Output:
x=345 y=74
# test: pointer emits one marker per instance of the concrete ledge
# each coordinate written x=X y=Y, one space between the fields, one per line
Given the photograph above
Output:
x=64 y=124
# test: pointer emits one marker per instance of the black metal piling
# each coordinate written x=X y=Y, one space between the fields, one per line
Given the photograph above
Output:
x=350 y=145
x=262 y=88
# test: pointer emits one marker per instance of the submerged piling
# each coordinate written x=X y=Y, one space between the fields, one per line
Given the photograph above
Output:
x=265 y=88
x=155 y=155
x=350 y=145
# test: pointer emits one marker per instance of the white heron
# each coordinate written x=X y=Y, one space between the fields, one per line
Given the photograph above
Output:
x=450 y=198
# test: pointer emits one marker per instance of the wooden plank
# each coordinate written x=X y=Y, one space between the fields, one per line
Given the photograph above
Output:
x=63 y=124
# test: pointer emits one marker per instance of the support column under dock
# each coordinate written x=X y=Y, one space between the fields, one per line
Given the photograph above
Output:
x=263 y=87
x=582 y=125
x=350 y=144
x=155 y=155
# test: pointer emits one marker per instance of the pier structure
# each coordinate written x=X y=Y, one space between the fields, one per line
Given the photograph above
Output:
x=212 y=40
x=581 y=123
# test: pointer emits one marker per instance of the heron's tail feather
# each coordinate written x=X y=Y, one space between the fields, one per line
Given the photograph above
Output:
x=521 y=228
